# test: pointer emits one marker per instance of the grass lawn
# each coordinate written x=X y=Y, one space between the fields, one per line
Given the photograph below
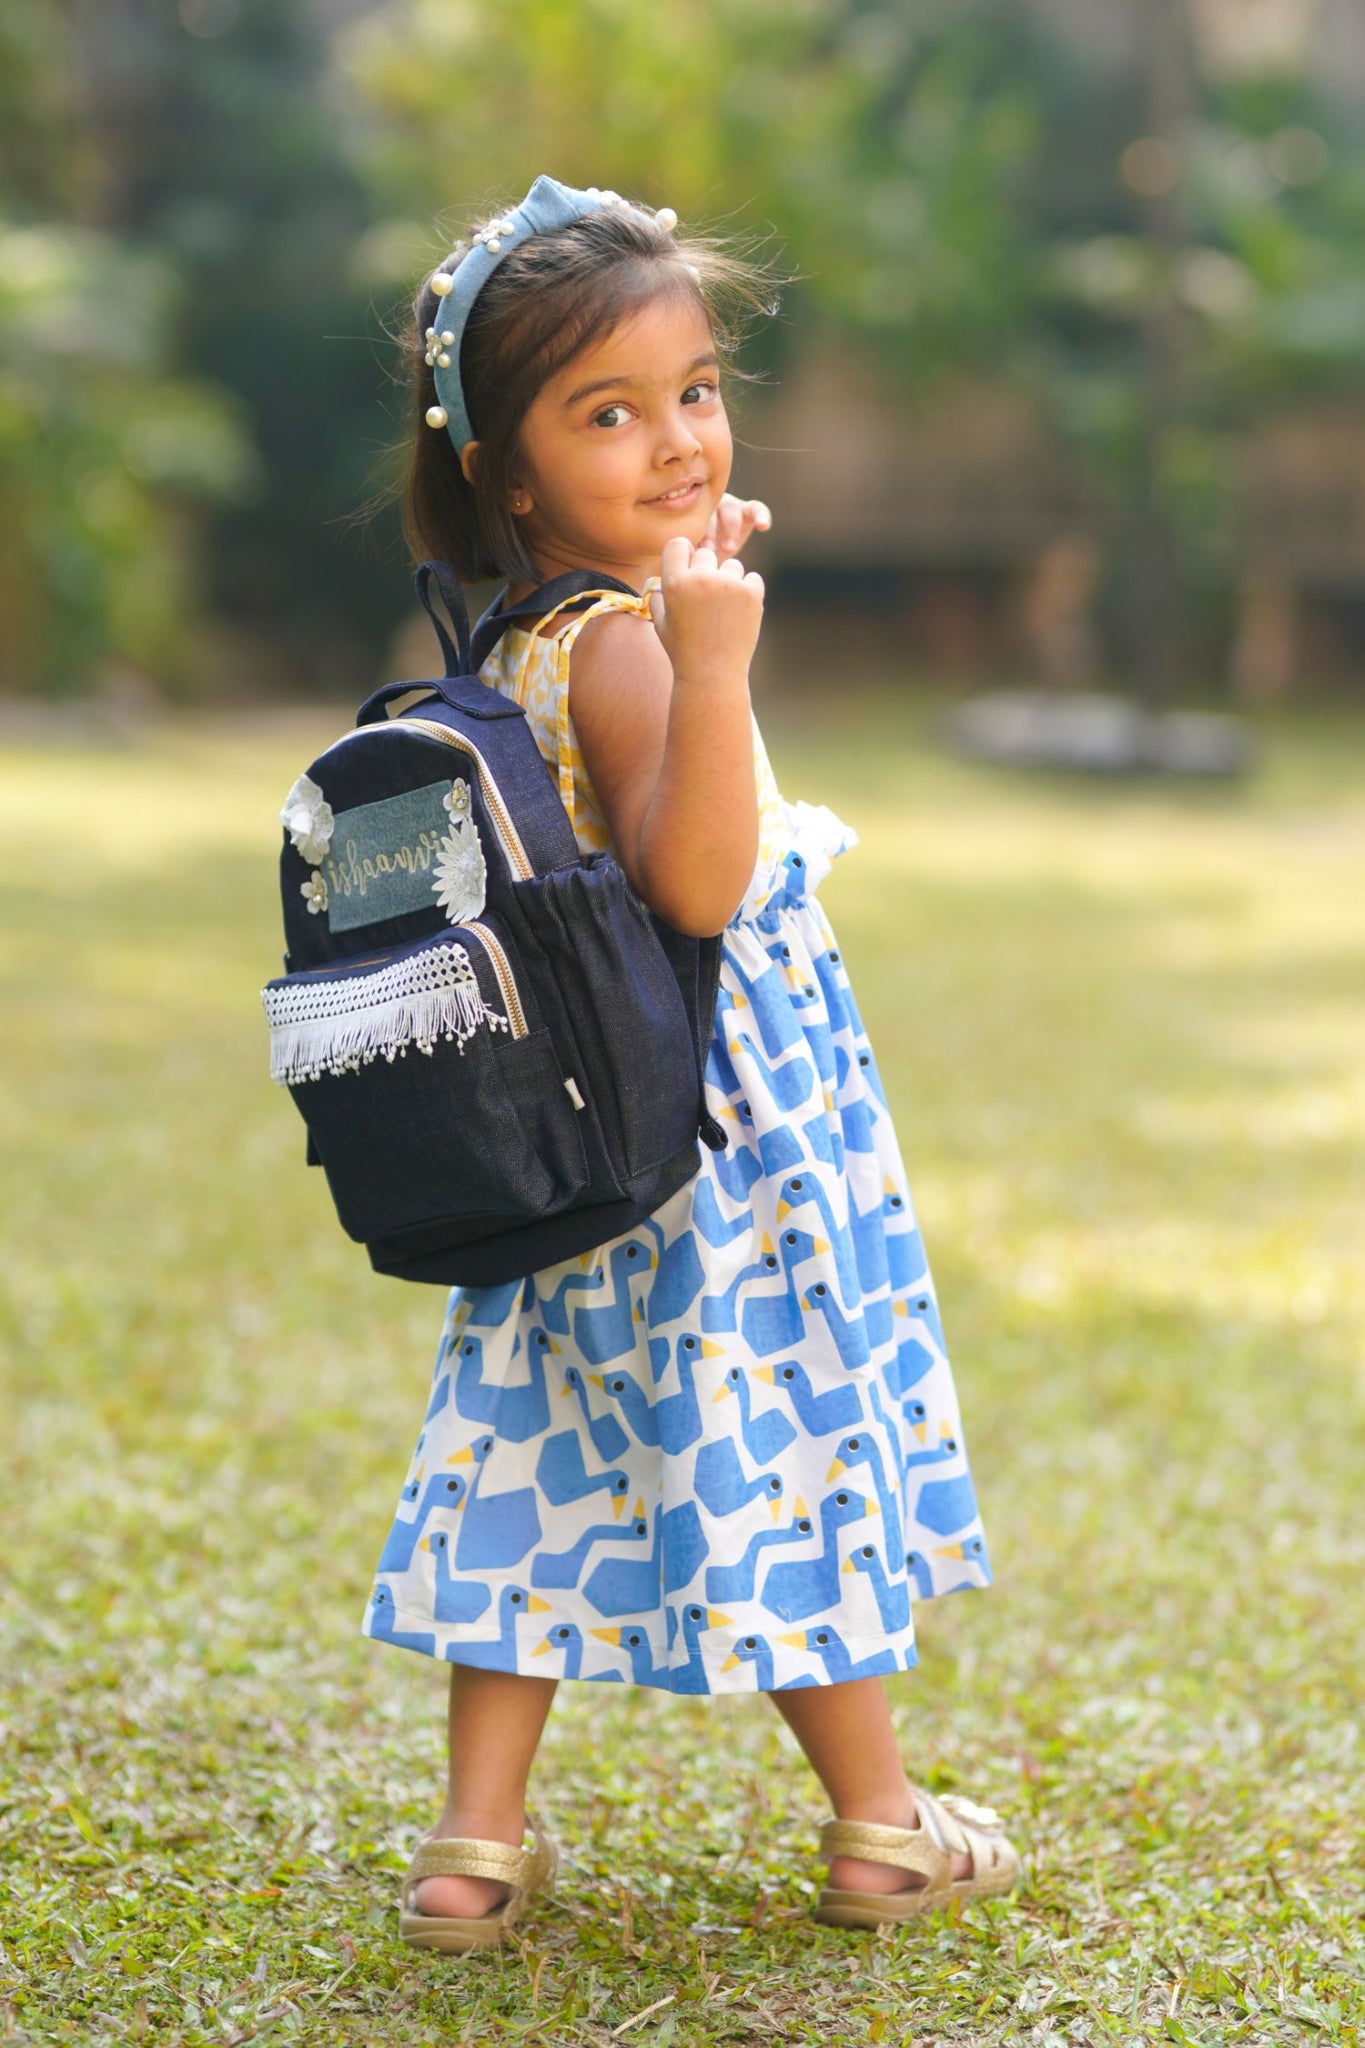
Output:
x=1121 y=1030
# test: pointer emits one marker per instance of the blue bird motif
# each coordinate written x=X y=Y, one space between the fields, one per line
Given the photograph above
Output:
x=718 y=1311
x=893 y=1600
x=679 y=1415
x=609 y=1440
x=499 y=1653
x=914 y=1361
x=946 y=1504
x=824 y=1141
x=861 y=1449
x=855 y=1121
x=755 y=1650
x=837 y=1662
x=765 y=1436
x=904 y=1247
x=554 y=1307
x=773 y=1322
x=679 y=1275
x=607 y=1331
x=945 y=1448
x=772 y=1013
x=456 y=1599
x=721 y=1487
x=642 y=1416
x=518 y=1412
x=736 y=1581
x=634 y=1641
x=797 y=1587
x=737 y=1171
x=923 y=1308
x=715 y=1227
x=788 y=1083
x=779 y=1149
x=496 y=1529
x=696 y=1621
x=564 y=1567
x=790 y=890
x=567 y=1639
x=799 y=995
x=384 y=1625
x=445 y=1490
x=621 y=1585
x=868 y=1230
x=868 y=1063
x=562 y=1476
x=798 y=1191
x=850 y=1333
x=833 y=1408
x=922 y=1573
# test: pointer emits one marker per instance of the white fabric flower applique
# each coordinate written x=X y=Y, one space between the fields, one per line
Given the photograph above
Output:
x=461 y=875
x=314 y=894
x=307 y=817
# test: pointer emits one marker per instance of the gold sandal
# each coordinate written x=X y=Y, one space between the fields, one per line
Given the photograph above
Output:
x=526 y=1870
x=947 y=1825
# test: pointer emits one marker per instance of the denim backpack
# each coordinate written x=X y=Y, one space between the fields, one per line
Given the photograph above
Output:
x=496 y=1046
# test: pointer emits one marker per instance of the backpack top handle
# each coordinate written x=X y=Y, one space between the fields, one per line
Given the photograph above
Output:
x=464 y=656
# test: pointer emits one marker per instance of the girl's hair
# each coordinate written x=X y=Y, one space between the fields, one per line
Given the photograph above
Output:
x=546 y=301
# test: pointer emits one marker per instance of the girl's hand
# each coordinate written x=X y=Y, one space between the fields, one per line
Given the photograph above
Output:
x=707 y=614
x=733 y=520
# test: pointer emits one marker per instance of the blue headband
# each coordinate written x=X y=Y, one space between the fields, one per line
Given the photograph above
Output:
x=547 y=205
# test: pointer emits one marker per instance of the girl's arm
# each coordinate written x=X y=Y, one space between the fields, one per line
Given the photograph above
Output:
x=665 y=725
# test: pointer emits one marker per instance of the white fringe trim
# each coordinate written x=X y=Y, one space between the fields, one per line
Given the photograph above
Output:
x=336 y=1027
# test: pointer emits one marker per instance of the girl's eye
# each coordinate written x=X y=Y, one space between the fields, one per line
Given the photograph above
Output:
x=703 y=384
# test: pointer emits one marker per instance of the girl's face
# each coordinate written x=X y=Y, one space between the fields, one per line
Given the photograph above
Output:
x=635 y=416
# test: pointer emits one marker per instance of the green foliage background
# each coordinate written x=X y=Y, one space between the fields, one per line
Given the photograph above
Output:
x=212 y=213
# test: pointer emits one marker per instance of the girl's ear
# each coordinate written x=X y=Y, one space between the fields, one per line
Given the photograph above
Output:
x=469 y=461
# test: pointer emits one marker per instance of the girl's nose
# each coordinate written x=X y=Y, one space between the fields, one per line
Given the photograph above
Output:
x=679 y=436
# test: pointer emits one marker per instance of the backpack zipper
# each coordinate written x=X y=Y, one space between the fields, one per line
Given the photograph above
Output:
x=508 y=835
x=502 y=967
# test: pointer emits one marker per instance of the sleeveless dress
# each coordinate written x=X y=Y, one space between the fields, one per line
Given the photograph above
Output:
x=723 y=1452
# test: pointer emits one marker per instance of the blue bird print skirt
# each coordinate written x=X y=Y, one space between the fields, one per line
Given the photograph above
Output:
x=723 y=1453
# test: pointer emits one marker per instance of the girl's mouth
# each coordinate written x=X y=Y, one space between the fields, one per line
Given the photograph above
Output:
x=677 y=500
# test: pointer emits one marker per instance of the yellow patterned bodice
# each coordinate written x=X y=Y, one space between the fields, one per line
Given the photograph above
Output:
x=533 y=668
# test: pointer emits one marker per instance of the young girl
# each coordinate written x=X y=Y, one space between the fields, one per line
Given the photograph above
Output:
x=723 y=1453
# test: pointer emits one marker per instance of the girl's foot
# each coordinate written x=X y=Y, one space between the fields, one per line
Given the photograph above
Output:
x=850 y=1873
x=469 y=1898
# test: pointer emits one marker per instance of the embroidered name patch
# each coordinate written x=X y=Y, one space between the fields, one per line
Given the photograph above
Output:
x=388 y=858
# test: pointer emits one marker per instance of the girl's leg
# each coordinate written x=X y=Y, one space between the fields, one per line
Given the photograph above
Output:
x=851 y=1746
x=496 y=1719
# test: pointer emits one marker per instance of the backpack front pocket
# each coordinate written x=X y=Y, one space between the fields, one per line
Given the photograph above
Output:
x=426 y=1091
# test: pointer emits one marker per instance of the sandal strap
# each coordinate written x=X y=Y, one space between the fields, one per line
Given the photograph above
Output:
x=907 y=1848
x=463 y=1856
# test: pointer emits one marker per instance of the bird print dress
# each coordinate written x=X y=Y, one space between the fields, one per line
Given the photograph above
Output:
x=721 y=1453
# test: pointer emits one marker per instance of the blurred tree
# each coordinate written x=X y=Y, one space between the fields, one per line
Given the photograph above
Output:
x=219 y=148
x=107 y=452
